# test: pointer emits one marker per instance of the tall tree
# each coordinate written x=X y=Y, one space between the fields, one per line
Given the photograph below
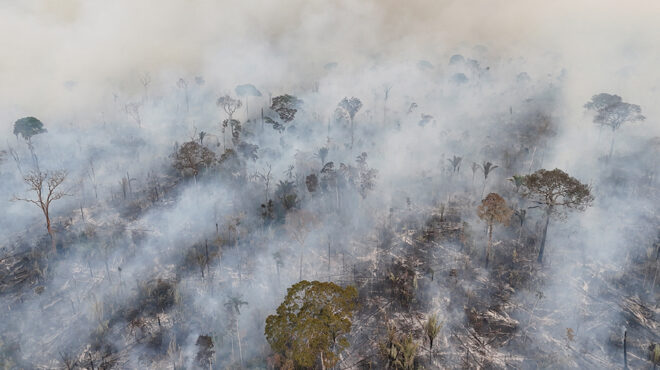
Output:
x=45 y=186
x=192 y=158
x=455 y=163
x=229 y=105
x=299 y=224
x=286 y=106
x=432 y=328
x=557 y=192
x=612 y=111
x=348 y=108
x=487 y=167
x=311 y=324
x=493 y=210
x=246 y=91
x=233 y=306
x=27 y=127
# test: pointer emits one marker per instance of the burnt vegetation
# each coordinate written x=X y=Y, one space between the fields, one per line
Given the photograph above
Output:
x=306 y=234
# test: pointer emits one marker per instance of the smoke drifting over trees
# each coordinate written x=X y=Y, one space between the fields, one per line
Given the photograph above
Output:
x=333 y=185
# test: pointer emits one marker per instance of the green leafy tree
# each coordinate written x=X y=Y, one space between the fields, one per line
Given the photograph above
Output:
x=557 y=192
x=311 y=324
x=399 y=351
x=432 y=328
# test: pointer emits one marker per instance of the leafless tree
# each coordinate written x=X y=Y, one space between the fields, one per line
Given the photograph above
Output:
x=145 y=80
x=45 y=186
x=298 y=224
x=183 y=85
x=133 y=111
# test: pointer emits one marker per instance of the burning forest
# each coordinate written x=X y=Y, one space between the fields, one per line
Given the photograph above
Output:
x=329 y=185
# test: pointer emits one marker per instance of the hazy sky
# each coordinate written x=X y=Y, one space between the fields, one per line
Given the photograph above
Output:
x=105 y=45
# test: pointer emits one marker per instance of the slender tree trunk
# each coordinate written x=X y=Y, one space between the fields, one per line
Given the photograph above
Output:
x=238 y=338
x=483 y=188
x=625 y=349
x=206 y=246
x=329 y=242
x=322 y=364
x=301 y=263
x=490 y=243
x=431 y=351
x=611 y=145
x=51 y=232
x=545 y=234
x=352 y=133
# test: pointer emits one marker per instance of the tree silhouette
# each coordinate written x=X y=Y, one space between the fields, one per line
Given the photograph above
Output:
x=246 y=91
x=455 y=163
x=286 y=106
x=348 y=108
x=612 y=111
x=27 y=127
x=298 y=225
x=487 y=167
x=557 y=192
x=233 y=306
x=229 y=105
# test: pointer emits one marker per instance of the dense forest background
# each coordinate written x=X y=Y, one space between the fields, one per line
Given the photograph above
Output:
x=168 y=170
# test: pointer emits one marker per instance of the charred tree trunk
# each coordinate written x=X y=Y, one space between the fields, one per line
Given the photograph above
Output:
x=352 y=133
x=238 y=338
x=51 y=232
x=625 y=350
x=490 y=243
x=545 y=234
x=612 y=144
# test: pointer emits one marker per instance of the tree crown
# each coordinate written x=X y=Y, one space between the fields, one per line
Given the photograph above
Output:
x=493 y=209
x=312 y=321
x=612 y=111
x=28 y=127
x=557 y=189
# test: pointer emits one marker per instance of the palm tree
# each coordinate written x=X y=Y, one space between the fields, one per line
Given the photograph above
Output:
x=455 y=163
x=488 y=168
x=432 y=329
x=233 y=306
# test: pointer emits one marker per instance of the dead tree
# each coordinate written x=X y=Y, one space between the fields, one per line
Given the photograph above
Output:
x=45 y=184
